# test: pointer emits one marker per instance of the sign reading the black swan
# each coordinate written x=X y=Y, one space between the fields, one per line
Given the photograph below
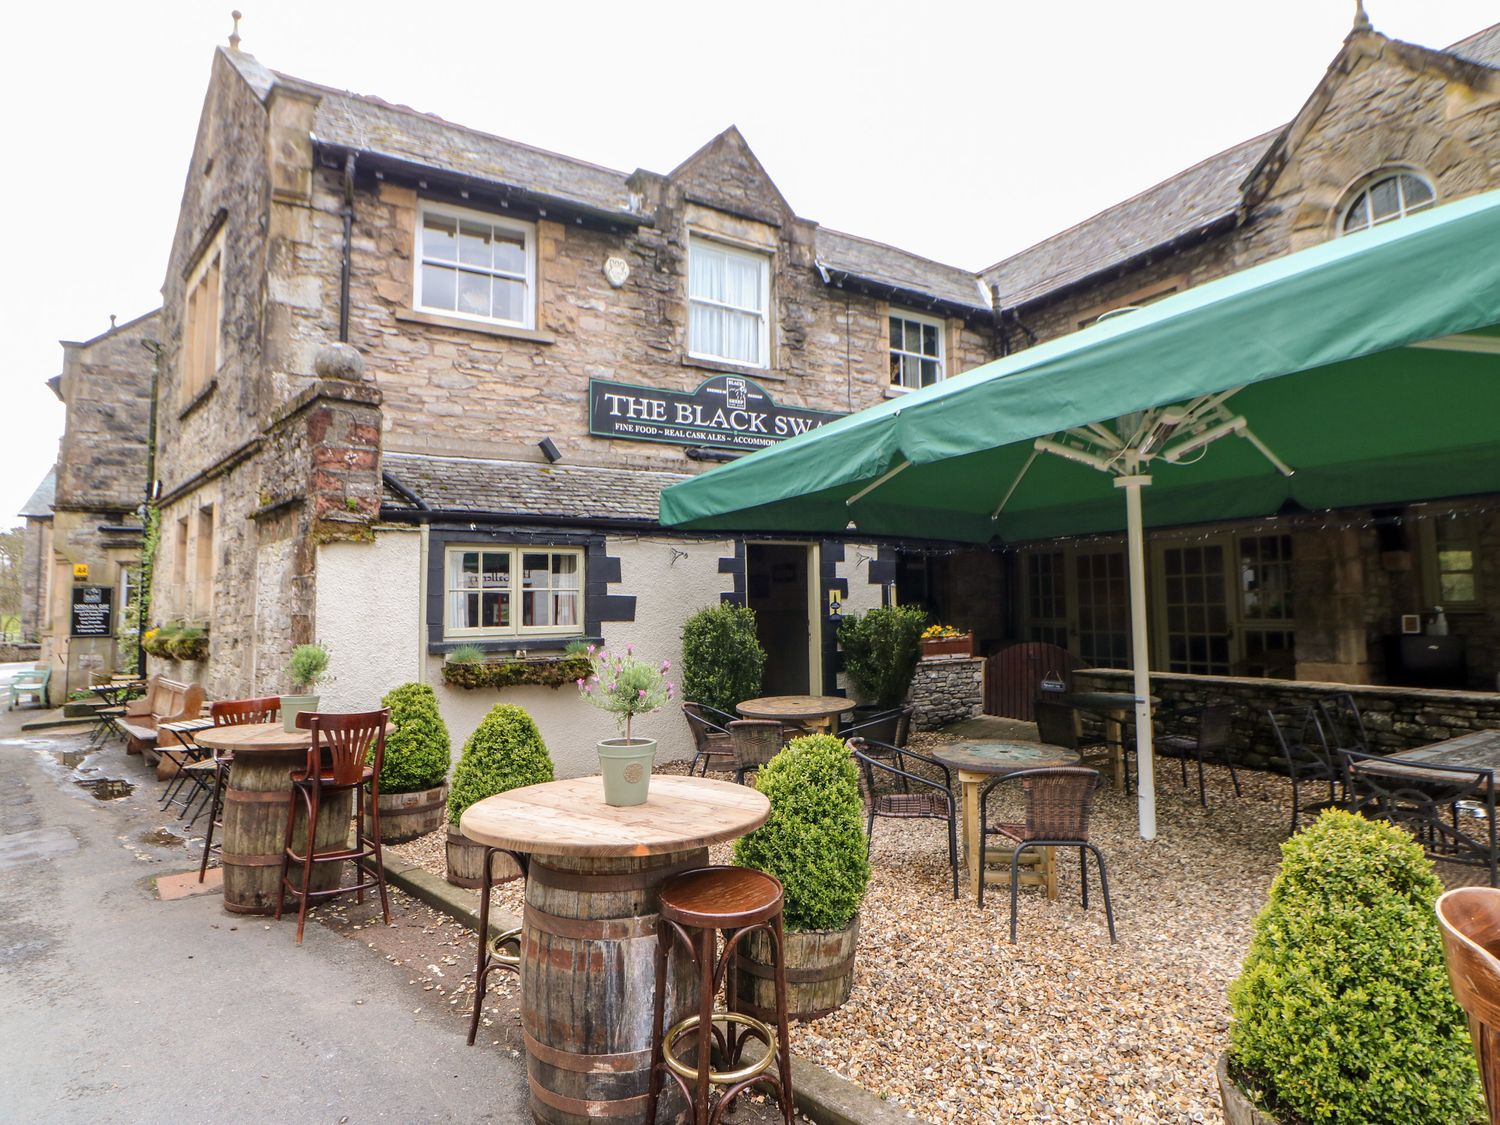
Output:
x=726 y=412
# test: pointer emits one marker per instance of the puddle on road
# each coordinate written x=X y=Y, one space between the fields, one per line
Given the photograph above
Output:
x=106 y=788
x=162 y=838
x=71 y=758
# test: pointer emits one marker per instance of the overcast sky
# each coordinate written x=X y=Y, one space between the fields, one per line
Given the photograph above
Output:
x=961 y=132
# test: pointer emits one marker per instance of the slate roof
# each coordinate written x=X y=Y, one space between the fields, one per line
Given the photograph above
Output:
x=524 y=488
x=1482 y=47
x=886 y=265
x=40 y=504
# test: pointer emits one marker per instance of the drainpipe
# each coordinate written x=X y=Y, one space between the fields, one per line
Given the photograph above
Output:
x=348 y=239
x=143 y=595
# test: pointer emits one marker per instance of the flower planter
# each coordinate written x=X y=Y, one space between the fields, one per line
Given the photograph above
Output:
x=1238 y=1108
x=292 y=706
x=466 y=862
x=948 y=646
x=819 y=973
x=626 y=766
x=405 y=816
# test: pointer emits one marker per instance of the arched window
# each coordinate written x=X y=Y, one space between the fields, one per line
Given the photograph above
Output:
x=1387 y=197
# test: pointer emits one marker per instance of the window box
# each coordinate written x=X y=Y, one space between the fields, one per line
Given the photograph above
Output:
x=551 y=672
x=948 y=646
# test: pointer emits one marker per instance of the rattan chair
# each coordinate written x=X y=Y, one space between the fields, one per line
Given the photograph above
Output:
x=1058 y=804
x=1304 y=750
x=882 y=762
x=710 y=728
x=754 y=742
x=1057 y=725
x=1198 y=733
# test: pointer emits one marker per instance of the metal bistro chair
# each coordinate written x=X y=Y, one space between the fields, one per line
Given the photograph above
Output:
x=754 y=743
x=1343 y=724
x=710 y=728
x=1449 y=809
x=931 y=801
x=225 y=713
x=888 y=727
x=1057 y=725
x=1304 y=749
x=1470 y=920
x=1058 y=804
x=347 y=742
x=1201 y=733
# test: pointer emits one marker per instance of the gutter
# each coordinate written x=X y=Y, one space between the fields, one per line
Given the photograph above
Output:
x=348 y=215
x=911 y=298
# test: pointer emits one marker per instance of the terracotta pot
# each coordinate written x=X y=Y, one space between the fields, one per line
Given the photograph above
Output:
x=1238 y=1108
x=948 y=646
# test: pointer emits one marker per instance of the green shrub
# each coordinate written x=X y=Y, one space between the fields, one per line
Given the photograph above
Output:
x=418 y=754
x=881 y=650
x=307 y=667
x=814 y=839
x=550 y=672
x=1343 y=1012
x=188 y=643
x=722 y=661
x=466 y=654
x=505 y=752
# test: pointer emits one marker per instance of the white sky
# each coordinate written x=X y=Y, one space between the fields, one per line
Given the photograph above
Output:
x=963 y=132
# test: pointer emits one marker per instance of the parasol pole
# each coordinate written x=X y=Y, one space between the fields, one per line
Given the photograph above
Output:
x=1140 y=659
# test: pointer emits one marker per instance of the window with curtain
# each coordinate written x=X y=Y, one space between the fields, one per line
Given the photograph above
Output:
x=916 y=350
x=1388 y=197
x=728 y=301
x=498 y=591
x=475 y=265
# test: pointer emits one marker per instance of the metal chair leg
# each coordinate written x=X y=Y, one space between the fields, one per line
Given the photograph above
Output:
x=1015 y=886
x=1109 y=910
x=216 y=810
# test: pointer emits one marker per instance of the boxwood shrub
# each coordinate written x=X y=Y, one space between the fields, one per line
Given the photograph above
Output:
x=814 y=839
x=418 y=754
x=722 y=661
x=1343 y=1012
x=505 y=752
x=881 y=650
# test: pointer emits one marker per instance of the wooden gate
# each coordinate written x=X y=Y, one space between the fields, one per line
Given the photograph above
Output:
x=1015 y=677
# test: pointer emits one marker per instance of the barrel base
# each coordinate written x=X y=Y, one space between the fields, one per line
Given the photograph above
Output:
x=819 y=973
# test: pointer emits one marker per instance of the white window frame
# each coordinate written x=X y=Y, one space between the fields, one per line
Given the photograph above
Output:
x=499 y=222
x=942 y=339
x=1360 y=196
x=515 y=629
x=763 y=264
x=191 y=388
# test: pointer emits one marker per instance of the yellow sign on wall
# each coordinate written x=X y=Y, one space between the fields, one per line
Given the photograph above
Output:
x=80 y=570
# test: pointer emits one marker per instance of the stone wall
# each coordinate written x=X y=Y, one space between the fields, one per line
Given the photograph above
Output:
x=22 y=653
x=946 y=689
x=1395 y=718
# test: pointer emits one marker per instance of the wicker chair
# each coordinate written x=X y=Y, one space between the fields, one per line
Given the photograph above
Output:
x=1304 y=749
x=1198 y=733
x=1058 y=804
x=710 y=728
x=754 y=743
x=886 y=787
x=1057 y=725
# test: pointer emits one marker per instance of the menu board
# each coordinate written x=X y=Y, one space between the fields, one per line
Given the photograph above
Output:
x=92 y=614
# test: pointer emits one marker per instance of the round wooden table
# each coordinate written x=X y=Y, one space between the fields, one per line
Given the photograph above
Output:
x=589 y=931
x=979 y=763
x=1115 y=708
x=255 y=804
x=815 y=711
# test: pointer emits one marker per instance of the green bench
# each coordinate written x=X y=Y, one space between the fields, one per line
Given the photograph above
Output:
x=31 y=682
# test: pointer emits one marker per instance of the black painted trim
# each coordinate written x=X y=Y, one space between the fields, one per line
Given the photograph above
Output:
x=735 y=567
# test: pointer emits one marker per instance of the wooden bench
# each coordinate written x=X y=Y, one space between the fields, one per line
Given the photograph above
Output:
x=165 y=701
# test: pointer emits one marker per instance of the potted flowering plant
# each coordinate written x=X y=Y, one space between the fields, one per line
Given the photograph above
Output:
x=945 y=640
x=625 y=686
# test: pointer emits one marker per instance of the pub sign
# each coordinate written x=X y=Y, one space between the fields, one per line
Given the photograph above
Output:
x=726 y=412
x=92 y=611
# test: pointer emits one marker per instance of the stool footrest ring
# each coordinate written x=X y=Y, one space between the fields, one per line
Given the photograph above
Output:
x=752 y=1026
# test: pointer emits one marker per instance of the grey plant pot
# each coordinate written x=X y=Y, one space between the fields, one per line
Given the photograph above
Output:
x=291 y=706
x=626 y=766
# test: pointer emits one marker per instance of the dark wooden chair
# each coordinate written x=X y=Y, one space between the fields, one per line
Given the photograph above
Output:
x=710 y=728
x=230 y=712
x=1057 y=725
x=754 y=742
x=341 y=745
x=1470 y=921
x=1058 y=804
x=1305 y=753
x=931 y=800
x=1200 y=733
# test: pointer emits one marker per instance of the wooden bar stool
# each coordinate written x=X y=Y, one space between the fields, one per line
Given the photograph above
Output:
x=492 y=953
x=695 y=906
x=341 y=744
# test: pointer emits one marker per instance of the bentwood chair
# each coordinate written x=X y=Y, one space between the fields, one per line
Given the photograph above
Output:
x=887 y=789
x=754 y=743
x=1470 y=920
x=230 y=712
x=1199 y=733
x=1304 y=750
x=710 y=728
x=341 y=745
x=1058 y=803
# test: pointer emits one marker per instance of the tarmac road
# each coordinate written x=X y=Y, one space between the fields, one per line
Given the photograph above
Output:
x=116 y=1007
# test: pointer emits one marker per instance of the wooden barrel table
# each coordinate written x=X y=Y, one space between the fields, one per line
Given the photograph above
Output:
x=588 y=941
x=255 y=805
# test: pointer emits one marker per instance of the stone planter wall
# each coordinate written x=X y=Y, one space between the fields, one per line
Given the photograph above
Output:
x=20 y=653
x=946 y=689
x=1396 y=718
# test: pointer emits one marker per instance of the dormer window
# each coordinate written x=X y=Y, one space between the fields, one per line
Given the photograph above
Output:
x=477 y=266
x=1388 y=196
x=729 y=298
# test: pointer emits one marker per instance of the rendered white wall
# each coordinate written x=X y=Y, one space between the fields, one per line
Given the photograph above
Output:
x=370 y=617
x=864 y=595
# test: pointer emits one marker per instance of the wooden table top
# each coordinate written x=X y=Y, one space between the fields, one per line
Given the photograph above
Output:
x=1004 y=757
x=570 y=817
x=265 y=738
x=795 y=707
x=1099 y=700
x=1477 y=750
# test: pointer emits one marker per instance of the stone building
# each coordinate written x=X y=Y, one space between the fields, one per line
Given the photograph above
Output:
x=422 y=386
x=84 y=532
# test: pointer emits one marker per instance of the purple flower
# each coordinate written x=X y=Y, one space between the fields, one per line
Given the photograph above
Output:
x=666 y=665
x=641 y=692
x=630 y=650
x=580 y=682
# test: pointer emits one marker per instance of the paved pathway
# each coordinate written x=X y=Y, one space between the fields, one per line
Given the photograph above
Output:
x=117 y=1007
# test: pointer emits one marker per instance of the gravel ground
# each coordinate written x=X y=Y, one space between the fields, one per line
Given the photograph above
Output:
x=952 y=1021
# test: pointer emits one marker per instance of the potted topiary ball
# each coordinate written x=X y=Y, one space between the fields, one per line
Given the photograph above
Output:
x=414 y=774
x=814 y=842
x=307 y=667
x=1343 y=1013
x=881 y=649
x=505 y=752
x=722 y=659
x=625 y=686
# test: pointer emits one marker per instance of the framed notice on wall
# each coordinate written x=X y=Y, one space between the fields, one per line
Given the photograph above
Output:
x=93 y=611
